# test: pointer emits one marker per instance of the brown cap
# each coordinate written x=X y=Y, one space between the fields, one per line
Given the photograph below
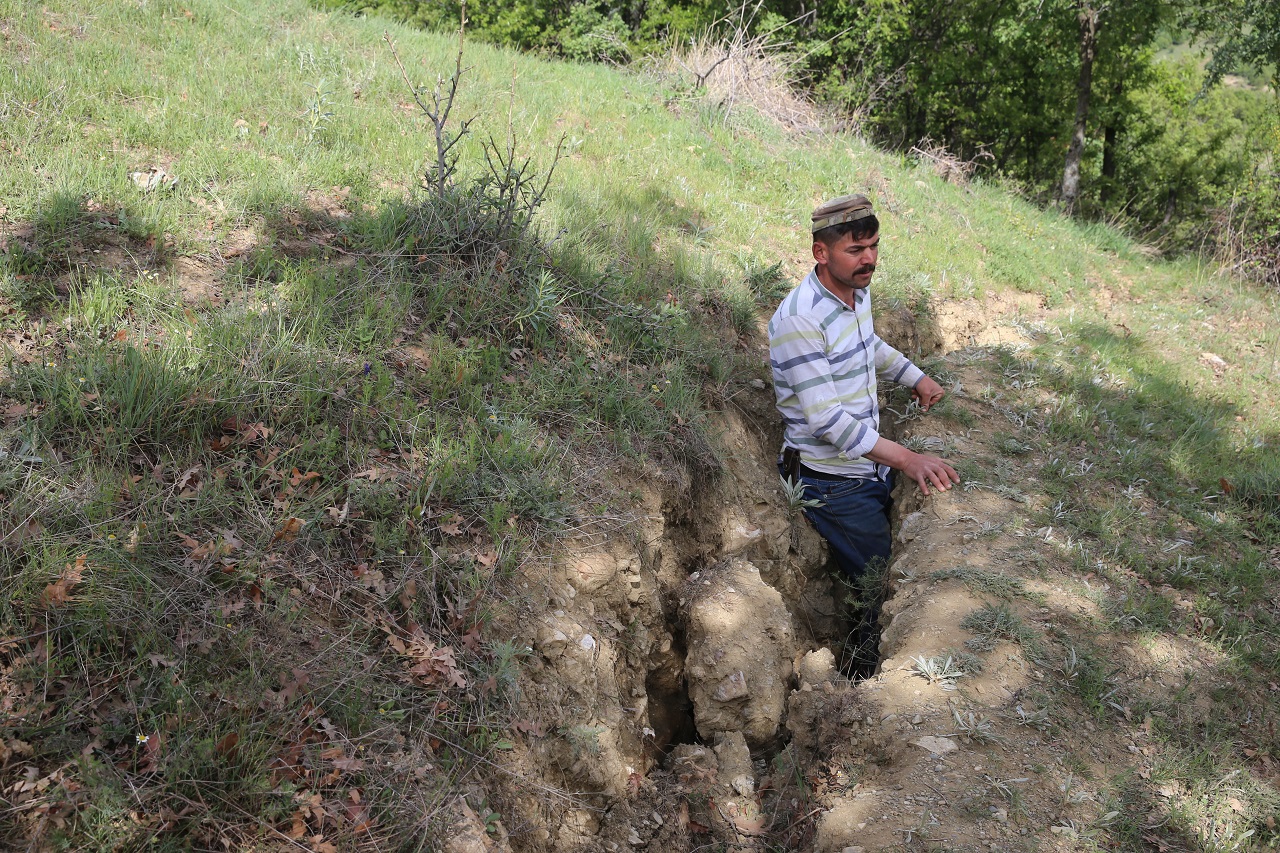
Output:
x=846 y=208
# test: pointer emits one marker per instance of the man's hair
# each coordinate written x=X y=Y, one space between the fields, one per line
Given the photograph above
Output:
x=859 y=228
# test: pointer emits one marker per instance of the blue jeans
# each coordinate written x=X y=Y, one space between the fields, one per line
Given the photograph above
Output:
x=853 y=518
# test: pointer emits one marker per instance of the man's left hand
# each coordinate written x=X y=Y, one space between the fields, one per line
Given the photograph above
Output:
x=927 y=392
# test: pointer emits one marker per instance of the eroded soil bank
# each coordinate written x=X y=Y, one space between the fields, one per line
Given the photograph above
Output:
x=685 y=687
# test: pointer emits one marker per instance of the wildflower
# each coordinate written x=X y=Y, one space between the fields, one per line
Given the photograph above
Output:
x=654 y=388
x=143 y=738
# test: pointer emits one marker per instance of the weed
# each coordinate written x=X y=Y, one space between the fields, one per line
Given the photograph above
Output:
x=793 y=494
x=936 y=670
x=987 y=582
x=767 y=282
x=1037 y=719
x=993 y=623
x=925 y=444
x=1014 y=447
x=543 y=298
x=966 y=662
x=979 y=728
x=1224 y=837
x=583 y=740
x=1003 y=490
x=319 y=114
x=1070 y=667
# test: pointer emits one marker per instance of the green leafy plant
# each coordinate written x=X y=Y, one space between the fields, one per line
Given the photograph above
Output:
x=319 y=113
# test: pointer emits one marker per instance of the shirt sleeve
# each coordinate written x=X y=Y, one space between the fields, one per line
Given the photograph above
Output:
x=797 y=351
x=893 y=366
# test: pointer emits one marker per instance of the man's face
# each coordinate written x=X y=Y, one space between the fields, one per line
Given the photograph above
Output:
x=850 y=261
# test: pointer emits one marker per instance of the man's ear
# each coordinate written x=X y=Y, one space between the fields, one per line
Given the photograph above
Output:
x=821 y=253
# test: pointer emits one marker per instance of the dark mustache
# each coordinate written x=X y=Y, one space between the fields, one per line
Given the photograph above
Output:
x=866 y=269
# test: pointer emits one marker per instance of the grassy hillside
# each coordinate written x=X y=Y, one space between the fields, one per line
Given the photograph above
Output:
x=281 y=431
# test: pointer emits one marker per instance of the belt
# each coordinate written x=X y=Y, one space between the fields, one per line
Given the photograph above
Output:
x=806 y=471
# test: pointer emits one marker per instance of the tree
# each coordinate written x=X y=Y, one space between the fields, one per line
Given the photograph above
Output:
x=1089 y=15
x=1239 y=33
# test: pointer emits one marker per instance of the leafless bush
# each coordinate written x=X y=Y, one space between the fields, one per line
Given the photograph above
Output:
x=1241 y=246
x=731 y=67
x=950 y=167
x=487 y=221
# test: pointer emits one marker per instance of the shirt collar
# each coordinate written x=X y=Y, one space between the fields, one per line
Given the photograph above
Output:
x=859 y=295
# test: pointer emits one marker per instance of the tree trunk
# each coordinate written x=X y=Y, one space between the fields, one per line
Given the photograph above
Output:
x=1109 y=134
x=1089 y=18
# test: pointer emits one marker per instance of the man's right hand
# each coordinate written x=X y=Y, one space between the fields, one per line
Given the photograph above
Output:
x=929 y=471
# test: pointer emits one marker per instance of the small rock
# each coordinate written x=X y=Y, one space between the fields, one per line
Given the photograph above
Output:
x=757 y=384
x=917 y=720
x=1001 y=815
x=853 y=850
x=912 y=526
x=937 y=745
x=732 y=687
x=818 y=666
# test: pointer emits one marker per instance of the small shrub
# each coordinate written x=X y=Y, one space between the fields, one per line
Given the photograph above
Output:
x=993 y=623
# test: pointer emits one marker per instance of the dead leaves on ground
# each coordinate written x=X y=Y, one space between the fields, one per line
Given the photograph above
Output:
x=38 y=798
x=425 y=662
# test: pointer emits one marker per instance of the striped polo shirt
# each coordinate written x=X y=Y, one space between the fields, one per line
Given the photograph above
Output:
x=826 y=359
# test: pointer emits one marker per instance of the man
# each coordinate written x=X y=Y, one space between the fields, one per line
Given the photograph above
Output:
x=826 y=361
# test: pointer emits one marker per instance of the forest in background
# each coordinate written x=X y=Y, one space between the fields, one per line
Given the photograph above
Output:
x=1157 y=116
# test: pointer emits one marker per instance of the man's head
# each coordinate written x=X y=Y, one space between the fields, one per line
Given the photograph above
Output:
x=846 y=237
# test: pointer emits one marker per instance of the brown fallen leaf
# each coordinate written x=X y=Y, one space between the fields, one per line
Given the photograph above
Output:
x=227 y=745
x=289 y=532
x=58 y=593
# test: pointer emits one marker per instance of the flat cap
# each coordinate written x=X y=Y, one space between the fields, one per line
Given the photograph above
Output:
x=846 y=208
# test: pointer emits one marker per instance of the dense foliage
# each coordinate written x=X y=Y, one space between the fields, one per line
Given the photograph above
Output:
x=1031 y=90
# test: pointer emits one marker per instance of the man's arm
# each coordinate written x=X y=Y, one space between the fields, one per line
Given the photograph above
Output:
x=893 y=366
x=926 y=470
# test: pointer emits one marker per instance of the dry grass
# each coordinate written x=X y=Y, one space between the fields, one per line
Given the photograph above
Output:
x=944 y=164
x=741 y=69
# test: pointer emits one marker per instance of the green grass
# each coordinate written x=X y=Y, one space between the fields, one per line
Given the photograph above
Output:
x=258 y=508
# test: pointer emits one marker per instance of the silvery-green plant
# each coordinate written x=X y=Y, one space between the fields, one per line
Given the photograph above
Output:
x=938 y=670
x=793 y=492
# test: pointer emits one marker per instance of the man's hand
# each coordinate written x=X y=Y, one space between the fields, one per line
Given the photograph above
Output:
x=929 y=470
x=926 y=470
x=926 y=393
